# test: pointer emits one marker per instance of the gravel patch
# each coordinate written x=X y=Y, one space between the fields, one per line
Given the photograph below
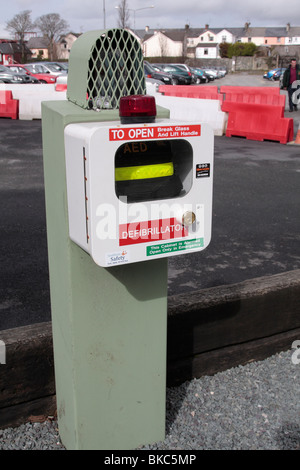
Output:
x=251 y=407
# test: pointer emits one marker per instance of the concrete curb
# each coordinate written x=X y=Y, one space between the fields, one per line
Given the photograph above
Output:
x=208 y=331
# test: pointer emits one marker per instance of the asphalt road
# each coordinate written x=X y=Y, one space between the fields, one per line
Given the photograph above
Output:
x=255 y=221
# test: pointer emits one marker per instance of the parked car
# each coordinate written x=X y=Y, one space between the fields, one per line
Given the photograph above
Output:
x=221 y=69
x=21 y=69
x=210 y=72
x=185 y=78
x=40 y=72
x=57 y=67
x=220 y=72
x=278 y=74
x=8 y=76
x=176 y=78
x=188 y=69
x=210 y=77
x=49 y=68
x=199 y=75
x=150 y=72
x=61 y=66
x=269 y=75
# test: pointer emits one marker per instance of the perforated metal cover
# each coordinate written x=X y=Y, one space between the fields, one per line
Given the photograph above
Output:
x=114 y=68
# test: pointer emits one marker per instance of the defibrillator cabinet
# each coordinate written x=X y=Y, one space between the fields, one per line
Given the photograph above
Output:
x=137 y=192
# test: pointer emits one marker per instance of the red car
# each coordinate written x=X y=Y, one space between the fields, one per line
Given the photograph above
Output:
x=34 y=70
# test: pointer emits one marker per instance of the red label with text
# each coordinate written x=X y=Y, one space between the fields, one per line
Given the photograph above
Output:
x=150 y=231
x=160 y=132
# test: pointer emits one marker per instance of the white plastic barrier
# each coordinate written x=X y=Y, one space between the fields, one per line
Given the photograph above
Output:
x=31 y=96
x=62 y=78
x=193 y=109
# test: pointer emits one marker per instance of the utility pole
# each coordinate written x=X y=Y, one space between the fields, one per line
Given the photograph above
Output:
x=104 y=21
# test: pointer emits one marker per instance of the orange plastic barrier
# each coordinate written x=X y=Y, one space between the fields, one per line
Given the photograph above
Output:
x=257 y=95
x=258 y=122
x=61 y=87
x=9 y=107
x=191 y=91
x=250 y=90
x=274 y=100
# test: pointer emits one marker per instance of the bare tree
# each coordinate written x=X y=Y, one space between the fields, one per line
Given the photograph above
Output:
x=123 y=13
x=163 y=43
x=19 y=25
x=51 y=26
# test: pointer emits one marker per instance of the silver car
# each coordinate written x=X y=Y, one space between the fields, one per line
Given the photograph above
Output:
x=7 y=76
x=46 y=67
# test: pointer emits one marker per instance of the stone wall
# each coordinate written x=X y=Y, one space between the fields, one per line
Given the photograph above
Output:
x=235 y=64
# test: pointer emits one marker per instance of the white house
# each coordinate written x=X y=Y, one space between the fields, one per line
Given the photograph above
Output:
x=292 y=36
x=209 y=50
x=64 y=45
x=164 y=44
x=225 y=36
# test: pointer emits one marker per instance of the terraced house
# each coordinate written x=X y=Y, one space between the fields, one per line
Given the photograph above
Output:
x=194 y=43
x=204 y=42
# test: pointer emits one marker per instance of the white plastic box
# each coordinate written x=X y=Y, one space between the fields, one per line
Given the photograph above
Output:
x=119 y=222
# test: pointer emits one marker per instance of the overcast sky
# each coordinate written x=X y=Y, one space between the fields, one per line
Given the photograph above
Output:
x=87 y=15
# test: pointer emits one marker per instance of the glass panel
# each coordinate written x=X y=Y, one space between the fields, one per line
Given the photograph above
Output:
x=152 y=170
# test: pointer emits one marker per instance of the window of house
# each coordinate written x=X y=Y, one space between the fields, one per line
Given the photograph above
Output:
x=205 y=51
x=249 y=39
x=266 y=41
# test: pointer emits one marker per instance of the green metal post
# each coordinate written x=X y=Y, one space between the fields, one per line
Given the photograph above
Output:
x=109 y=324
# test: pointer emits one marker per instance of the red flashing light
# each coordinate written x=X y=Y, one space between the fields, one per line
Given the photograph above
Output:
x=137 y=109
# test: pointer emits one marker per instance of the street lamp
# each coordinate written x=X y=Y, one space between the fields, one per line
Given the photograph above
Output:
x=134 y=11
x=104 y=19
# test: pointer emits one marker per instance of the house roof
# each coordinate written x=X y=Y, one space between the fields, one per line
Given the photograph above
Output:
x=207 y=44
x=275 y=32
x=178 y=34
x=254 y=32
x=63 y=36
x=173 y=34
x=294 y=31
x=13 y=48
x=38 y=43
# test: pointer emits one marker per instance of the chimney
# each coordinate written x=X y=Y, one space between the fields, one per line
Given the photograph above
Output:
x=206 y=27
x=187 y=26
x=288 y=27
x=146 y=29
x=247 y=26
